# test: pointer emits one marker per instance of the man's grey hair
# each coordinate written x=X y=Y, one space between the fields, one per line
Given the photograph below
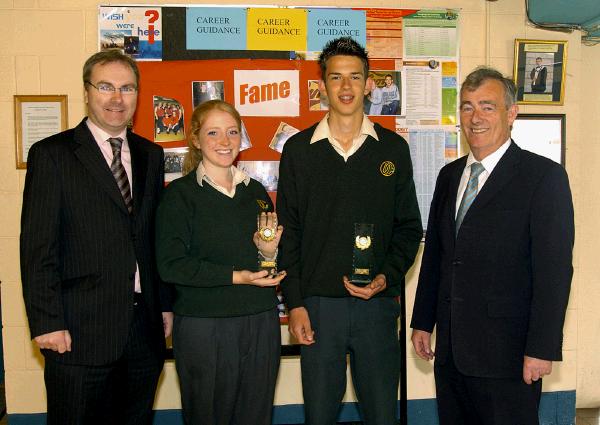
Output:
x=482 y=74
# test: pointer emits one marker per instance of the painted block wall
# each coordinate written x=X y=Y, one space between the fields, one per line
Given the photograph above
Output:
x=42 y=51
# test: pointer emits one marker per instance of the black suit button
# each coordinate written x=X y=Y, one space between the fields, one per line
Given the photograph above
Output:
x=132 y=276
x=447 y=299
x=457 y=262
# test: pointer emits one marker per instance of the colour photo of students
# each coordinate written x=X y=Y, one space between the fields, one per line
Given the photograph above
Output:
x=174 y=163
x=168 y=120
x=284 y=132
x=384 y=96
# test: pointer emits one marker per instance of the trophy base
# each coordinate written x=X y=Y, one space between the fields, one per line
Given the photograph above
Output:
x=361 y=277
x=270 y=266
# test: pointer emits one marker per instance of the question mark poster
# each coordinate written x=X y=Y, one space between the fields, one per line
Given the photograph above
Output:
x=137 y=31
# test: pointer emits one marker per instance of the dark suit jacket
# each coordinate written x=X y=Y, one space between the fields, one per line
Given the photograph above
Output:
x=539 y=84
x=499 y=290
x=79 y=245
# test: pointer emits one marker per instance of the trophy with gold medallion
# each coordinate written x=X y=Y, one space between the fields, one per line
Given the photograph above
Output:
x=362 y=259
x=266 y=224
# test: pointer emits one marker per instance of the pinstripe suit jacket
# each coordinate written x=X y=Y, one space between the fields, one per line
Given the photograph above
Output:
x=79 y=245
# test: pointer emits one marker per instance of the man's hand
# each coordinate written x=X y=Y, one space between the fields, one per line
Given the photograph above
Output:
x=56 y=341
x=299 y=326
x=534 y=369
x=422 y=342
x=366 y=292
x=167 y=317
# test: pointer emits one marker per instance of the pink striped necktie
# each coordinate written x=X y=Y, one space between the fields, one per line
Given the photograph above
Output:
x=119 y=173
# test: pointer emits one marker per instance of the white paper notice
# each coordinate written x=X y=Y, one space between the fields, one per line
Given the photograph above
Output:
x=39 y=120
x=423 y=95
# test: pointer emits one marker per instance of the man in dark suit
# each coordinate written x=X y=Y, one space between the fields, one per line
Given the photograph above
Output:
x=538 y=77
x=90 y=283
x=497 y=267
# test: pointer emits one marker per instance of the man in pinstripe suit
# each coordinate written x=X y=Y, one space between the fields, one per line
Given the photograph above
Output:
x=91 y=289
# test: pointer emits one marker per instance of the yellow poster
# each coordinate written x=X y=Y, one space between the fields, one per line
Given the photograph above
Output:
x=277 y=29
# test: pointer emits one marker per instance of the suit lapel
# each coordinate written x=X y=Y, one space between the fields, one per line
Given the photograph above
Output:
x=500 y=177
x=86 y=150
x=139 y=167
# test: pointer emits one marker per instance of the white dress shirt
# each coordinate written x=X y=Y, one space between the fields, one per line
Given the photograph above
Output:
x=323 y=132
x=101 y=137
x=238 y=177
x=489 y=163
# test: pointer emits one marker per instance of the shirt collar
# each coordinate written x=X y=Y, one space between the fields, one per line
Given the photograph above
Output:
x=238 y=175
x=490 y=161
x=323 y=132
x=101 y=135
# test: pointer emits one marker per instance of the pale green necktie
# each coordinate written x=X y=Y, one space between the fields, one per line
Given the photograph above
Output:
x=470 y=193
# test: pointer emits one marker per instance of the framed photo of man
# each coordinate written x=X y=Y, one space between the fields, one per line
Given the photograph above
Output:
x=539 y=71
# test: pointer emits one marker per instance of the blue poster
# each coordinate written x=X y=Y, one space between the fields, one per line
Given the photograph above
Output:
x=328 y=24
x=215 y=28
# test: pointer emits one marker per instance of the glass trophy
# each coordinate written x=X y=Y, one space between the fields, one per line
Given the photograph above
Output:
x=362 y=259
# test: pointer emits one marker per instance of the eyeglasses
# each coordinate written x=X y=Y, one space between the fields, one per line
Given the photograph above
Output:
x=106 y=88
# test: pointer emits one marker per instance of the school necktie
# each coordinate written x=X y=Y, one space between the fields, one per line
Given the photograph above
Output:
x=118 y=171
x=470 y=193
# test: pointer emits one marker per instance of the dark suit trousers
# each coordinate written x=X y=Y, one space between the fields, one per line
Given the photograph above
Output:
x=468 y=400
x=368 y=332
x=117 y=393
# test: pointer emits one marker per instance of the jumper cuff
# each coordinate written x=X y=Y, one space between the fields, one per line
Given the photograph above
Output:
x=292 y=295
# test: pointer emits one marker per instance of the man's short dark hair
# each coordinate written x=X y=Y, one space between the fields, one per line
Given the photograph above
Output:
x=482 y=74
x=109 y=56
x=343 y=46
x=538 y=58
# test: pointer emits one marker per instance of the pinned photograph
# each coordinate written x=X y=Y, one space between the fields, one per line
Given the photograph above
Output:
x=266 y=172
x=284 y=132
x=384 y=93
x=317 y=101
x=246 y=143
x=174 y=163
x=131 y=44
x=203 y=91
x=168 y=120
x=113 y=39
x=305 y=55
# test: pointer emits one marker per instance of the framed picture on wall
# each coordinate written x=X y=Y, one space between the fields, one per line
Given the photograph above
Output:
x=37 y=117
x=539 y=71
x=543 y=134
